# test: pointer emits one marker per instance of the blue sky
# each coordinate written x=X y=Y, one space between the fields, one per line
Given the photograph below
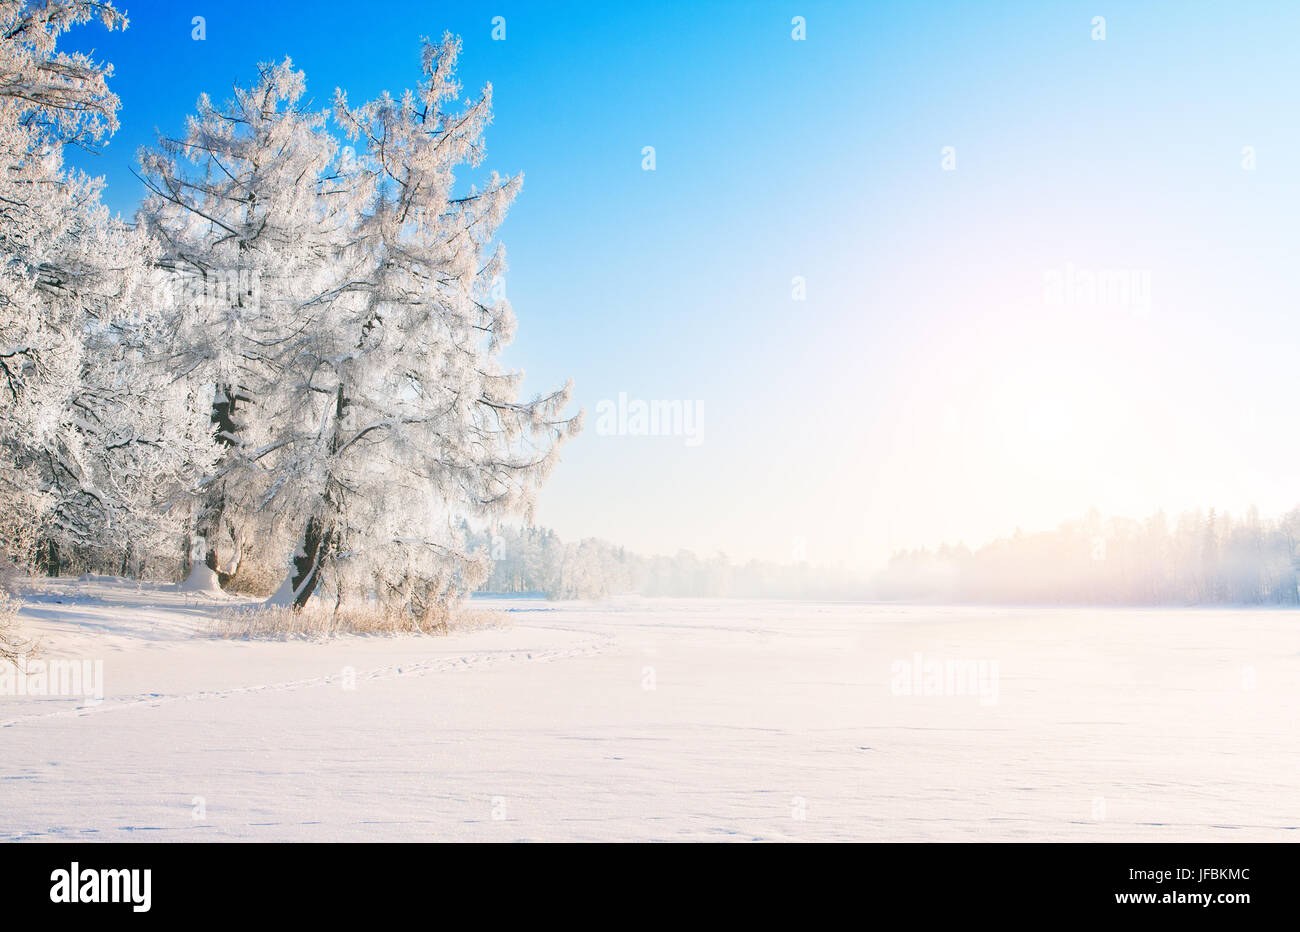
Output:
x=923 y=391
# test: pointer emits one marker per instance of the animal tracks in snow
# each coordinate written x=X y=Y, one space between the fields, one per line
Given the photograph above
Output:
x=468 y=661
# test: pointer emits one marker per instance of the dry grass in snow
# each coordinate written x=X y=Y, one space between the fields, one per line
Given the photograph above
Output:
x=319 y=620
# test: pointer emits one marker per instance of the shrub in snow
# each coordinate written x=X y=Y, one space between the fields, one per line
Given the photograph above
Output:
x=321 y=620
x=12 y=644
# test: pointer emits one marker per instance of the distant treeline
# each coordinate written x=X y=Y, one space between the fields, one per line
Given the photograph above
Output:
x=1203 y=559
x=533 y=559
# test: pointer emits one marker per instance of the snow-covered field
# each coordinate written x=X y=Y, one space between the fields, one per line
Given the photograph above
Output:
x=666 y=720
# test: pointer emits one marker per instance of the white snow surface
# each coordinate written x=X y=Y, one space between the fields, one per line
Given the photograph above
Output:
x=202 y=579
x=672 y=720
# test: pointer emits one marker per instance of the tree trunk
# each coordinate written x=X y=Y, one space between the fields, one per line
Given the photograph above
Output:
x=207 y=526
x=316 y=540
x=225 y=403
x=47 y=557
x=318 y=537
x=236 y=561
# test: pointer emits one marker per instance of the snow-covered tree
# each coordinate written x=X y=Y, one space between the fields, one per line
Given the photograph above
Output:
x=322 y=323
x=254 y=224
x=406 y=418
x=77 y=442
x=134 y=448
